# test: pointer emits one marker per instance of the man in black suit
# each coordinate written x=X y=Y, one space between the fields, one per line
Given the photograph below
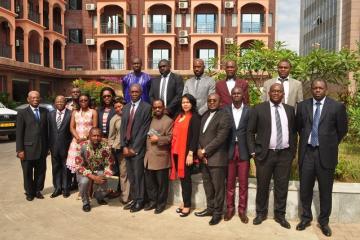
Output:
x=322 y=123
x=168 y=87
x=31 y=145
x=214 y=130
x=59 y=142
x=271 y=138
x=238 y=156
x=135 y=125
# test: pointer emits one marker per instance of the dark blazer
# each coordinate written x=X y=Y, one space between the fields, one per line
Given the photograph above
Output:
x=100 y=117
x=259 y=130
x=225 y=97
x=173 y=94
x=333 y=126
x=214 y=138
x=192 y=142
x=31 y=135
x=239 y=132
x=59 y=139
x=140 y=128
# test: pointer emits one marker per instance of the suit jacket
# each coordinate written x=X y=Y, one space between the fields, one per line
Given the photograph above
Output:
x=333 y=126
x=213 y=140
x=140 y=127
x=225 y=97
x=100 y=119
x=239 y=132
x=173 y=94
x=158 y=154
x=295 y=91
x=59 y=139
x=114 y=132
x=31 y=135
x=259 y=130
x=205 y=87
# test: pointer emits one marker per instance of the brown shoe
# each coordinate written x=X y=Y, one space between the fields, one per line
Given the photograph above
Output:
x=228 y=215
x=243 y=218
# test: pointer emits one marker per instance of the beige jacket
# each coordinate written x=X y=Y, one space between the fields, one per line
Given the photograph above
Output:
x=114 y=132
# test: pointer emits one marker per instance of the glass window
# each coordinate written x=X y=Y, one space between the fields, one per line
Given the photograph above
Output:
x=188 y=20
x=223 y=20
x=114 y=59
x=131 y=20
x=75 y=4
x=234 y=19
x=159 y=23
x=270 y=19
x=75 y=36
x=95 y=21
x=206 y=55
x=252 y=23
x=205 y=23
x=178 y=20
x=157 y=55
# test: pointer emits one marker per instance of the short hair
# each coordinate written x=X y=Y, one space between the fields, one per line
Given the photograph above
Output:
x=119 y=99
x=285 y=60
x=158 y=100
x=94 y=129
x=137 y=85
x=192 y=100
x=167 y=62
x=318 y=80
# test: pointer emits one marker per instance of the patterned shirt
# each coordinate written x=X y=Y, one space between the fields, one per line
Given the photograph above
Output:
x=91 y=160
x=143 y=79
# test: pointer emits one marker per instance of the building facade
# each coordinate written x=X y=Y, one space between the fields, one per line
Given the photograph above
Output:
x=47 y=44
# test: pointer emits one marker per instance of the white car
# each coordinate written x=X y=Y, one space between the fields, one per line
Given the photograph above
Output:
x=7 y=122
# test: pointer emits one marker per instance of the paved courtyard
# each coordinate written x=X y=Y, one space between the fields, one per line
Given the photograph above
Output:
x=61 y=218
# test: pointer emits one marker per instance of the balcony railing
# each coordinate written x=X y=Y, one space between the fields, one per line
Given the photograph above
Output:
x=252 y=27
x=20 y=55
x=34 y=58
x=159 y=27
x=34 y=16
x=112 y=64
x=111 y=28
x=58 y=63
x=5 y=50
x=5 y=4
x=19 y=11
x=154 y=63
x=57 y=27
x=205 y=28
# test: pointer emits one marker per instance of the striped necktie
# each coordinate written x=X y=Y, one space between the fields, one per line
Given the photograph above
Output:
x=58 y=120
x=278 y=128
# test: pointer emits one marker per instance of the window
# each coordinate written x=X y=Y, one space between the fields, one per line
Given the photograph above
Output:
x=234 y=19
x=157 y=55
x=252 y=23
x=75 y=36
x=114 y=59
x=131 y=20
x=159 y=23
x=188 y=20
x=75 y=4
x=112 y=24
x=270 y=19
x=206 y=55
x=205 y=23
x=223 y=20
x=178 y=20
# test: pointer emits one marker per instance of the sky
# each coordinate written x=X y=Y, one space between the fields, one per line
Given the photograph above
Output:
x=288 y=23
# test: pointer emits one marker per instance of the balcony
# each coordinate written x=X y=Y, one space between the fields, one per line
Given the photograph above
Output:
x=57 y=27
x=5 y=50
x=58 y=63
x=112 y=29
x=252 y=27
x=5 y=4
x=205 y=28
x=112 y=64
x=34 y=58
x=34 y=16
x=159 y=27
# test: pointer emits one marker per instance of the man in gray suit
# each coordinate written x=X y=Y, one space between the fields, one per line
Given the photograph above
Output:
x=293 y=92
x=200 y=86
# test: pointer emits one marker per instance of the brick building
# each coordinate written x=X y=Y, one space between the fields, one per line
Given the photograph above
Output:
x=44 y=45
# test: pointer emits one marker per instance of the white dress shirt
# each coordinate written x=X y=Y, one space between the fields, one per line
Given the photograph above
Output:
x=314 y=110
x=136 y=105
x=230 y=83
x=237 y=112
x=286 y=89
x=284 y=126
x=208 y=120
x=164 y=81
x=62 y=114
x=33 y=110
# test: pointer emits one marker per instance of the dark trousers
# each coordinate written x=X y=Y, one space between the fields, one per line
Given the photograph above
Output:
x=276 y=165
x=214 y=186
x=310 y=170
x=240 y=169
x=34 y=175
x=157 y=186
x=186 y=184
x=135 y=174
x=61 y=174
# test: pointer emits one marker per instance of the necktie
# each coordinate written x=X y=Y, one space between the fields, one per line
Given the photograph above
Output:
x=278 y=128
x=130 y=122
x=197 y=81
x=162 y=92
x=58 y=120
x=37 y=116
x=315 y=126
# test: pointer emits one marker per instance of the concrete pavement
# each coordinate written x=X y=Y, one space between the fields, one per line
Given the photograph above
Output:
x=61 y=218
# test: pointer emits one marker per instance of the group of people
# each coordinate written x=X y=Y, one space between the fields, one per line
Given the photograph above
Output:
x=163 y=129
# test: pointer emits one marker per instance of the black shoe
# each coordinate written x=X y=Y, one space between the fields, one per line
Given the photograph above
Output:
x=179 y=210
x=137 y=207
x=258 y=219
x=73 y=187
x=38 y=195
x=101 y=202
x=243 y=218
x=204 y=213
x=29 y=197
x=56 y=193
x=159 y=210
x=66 y=194
x=129 y=205
x=302 y=225
x=215 y=220
x=283 y=222
x=184 y=214
x=113 y=195
x=87 y=208
x=150 y=206
x=326 y=230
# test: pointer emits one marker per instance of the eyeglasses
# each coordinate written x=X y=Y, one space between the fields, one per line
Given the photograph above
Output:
x=107 y=96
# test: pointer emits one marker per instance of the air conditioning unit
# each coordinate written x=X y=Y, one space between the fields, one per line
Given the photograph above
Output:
x=183 y=41
x=90 y=41
x=90 y=7
x=17 y=43
x=183 y=33
x=229 y=41
x=183 y=5
x=229 y=4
